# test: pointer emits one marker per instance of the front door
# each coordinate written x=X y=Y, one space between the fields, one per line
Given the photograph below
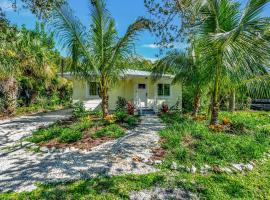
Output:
x=142 y=94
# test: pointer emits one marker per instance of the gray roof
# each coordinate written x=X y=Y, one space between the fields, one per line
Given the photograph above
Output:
x=132 y=72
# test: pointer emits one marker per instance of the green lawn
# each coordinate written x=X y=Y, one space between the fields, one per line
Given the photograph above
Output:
x=254 y=185
x=187 y=142
x=193 y=143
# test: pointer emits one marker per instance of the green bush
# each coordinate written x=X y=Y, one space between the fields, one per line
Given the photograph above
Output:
x=79 y=110
x=113 y=130
x=121 y=103
x=45 y=134
x=132 y=121
x=121 y=116
x=69 y=136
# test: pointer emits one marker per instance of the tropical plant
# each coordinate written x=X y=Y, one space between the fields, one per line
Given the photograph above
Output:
x=232 y=42
x=98 y=52
x=188 y=70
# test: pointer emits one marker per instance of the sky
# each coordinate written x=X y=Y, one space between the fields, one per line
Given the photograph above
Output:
x=124 y=11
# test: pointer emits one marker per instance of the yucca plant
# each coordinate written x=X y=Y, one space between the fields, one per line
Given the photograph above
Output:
x=97 y=52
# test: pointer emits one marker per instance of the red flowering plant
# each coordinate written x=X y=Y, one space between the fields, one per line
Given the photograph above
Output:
x=130 y=108
x=164 y=108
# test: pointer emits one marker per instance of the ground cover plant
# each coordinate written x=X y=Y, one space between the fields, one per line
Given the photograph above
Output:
x=85 y=129
x=253 y=185
x=192 y=142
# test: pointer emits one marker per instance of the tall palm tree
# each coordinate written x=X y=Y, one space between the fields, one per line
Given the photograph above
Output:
x=98 y=52
x=233 y=42
x=187 y=68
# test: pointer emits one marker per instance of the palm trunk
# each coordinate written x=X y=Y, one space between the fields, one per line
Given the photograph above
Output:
x=10 y=90
x=104 y=97
x=232 y=101
x=196 y=103
x=215 y=105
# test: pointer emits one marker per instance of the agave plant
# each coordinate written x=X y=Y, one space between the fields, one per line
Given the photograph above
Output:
x=98 y=52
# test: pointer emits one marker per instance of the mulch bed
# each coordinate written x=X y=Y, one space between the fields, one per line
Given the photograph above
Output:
x=86 y=143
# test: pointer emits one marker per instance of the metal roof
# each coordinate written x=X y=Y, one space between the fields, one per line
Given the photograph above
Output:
x=131 y=72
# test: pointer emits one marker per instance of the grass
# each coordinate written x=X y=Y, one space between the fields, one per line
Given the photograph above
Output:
x=192 y=143
x=253 y=185
x=201 y=145
x=112 y=131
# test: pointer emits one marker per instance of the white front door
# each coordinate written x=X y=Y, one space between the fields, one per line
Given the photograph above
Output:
x=142 y=94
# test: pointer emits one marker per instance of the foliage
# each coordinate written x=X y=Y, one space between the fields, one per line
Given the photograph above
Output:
x=190 y=142
x=28 y=68
x=121 y=116
x=79 y=110
x=121 y=103
x=164 y=108
x=64 y=133
x=98 y=52
x=130 y=108
x=112 y=131
x=125 y=119
x=69 y=136
x=110 y=119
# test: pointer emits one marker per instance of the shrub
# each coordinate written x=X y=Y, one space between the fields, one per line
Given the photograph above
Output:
x=164 y=108
x=69 y=136
x=130 y=108
x=121 y=103
x=110 y=119
x=121 y=116
x=83 y=124
x=113 y=130
x=79 y=110
x=131 y=121
x=45 y=135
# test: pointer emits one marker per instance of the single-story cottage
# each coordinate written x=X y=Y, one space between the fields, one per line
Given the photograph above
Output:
x=135 y=86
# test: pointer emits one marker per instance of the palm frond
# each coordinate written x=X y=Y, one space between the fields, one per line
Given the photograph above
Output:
x=71 y=33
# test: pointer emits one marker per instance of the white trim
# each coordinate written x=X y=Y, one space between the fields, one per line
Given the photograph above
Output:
x=87 y=95
x=163 y=96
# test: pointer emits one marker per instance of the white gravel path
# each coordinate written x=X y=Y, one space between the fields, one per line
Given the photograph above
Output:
x=21 y=169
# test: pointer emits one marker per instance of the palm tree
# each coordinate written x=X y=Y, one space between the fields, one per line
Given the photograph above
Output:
x=98 y=52
x=232 y=42
x=187 y=69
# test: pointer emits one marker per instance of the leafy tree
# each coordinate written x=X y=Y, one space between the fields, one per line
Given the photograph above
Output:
x=98 y=52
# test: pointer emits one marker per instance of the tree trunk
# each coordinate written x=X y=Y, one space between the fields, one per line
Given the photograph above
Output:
x=104 y=97
x=215 y=105
x=10 y=90
x=196 y=103
x=232 y=101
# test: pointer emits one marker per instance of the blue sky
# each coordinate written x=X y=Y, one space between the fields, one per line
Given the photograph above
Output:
x=124 y=11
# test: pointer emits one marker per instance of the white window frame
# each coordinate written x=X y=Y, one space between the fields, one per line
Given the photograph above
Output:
x=164 y=96
x=88 y=91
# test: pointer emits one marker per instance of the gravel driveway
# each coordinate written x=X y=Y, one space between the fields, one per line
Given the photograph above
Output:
x=21 y=169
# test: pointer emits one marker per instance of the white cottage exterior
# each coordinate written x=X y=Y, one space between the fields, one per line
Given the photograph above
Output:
x=135 y=86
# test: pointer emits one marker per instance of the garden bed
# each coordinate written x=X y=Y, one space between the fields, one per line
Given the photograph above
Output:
x=81 y=132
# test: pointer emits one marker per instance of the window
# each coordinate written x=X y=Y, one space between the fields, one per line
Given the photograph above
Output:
x=164 y=90
x=141 y=86
x=93 y=89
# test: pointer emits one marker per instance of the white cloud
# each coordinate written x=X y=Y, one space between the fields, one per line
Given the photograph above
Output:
x=151 y=46
x=156 y=46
